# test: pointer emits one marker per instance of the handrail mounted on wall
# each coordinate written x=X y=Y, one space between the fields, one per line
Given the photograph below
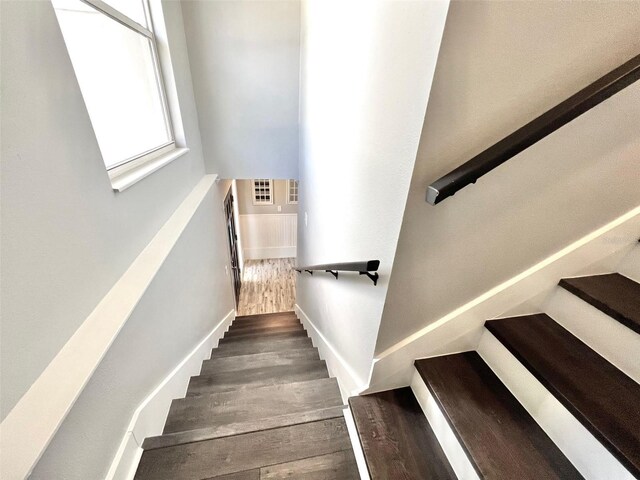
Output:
x=363 y=268
x=534 y=131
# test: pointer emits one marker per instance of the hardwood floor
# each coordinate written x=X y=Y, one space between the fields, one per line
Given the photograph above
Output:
x=268 y=286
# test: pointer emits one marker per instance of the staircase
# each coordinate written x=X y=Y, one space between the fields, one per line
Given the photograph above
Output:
x=551 y=395
x=263 y=407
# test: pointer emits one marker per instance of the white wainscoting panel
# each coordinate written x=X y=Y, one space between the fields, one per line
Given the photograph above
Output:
x=269 y=235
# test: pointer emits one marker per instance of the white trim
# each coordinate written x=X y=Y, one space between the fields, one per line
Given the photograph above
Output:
x=363 y=470
x=580 y=447
x=257 y=202
x=119 y=17
x=289 y=201
x=450 y=444
x=149 y=418
x=268 y=252
x=151 y=156
x=462 y=328
x=130 y=173
x=34 y=420
x=269 y=235
x=348 y=380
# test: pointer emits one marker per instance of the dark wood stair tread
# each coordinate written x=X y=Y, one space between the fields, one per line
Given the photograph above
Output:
x=601 y=397
x=499 y=436
x=256 y=360
x=223 y=456
x=282 y=335
x=613 y=294
x=332 y=466
x=396 y=437
x=245 y=426
x=266 y=319
x=256 y=377
x=234 y=332
x=219 y=409
x=255 y=316
x=261 y=346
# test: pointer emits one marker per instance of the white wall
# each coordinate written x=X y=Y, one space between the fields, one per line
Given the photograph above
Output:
x=245 y=61
x=502 y=64
x=268 y=235
x=67 y=238
x=366 y=74
x=187 y=298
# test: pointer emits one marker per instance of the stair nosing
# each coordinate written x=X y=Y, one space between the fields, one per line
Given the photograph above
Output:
x=268 y=423
x=225 y=347
x=261 y=315
x=259 y=387
x=243 y=386
x=301 y=333
x=265 y=330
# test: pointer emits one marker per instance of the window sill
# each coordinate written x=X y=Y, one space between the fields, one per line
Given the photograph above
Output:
x=129 y=174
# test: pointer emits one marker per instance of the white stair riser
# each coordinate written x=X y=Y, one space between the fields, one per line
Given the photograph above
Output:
x=355 y=443
x=582 y=449
x=630 y=264
x=448 y=441
x=617 y=343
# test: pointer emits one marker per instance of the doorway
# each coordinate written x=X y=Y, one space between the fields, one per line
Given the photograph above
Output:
x=232 y=236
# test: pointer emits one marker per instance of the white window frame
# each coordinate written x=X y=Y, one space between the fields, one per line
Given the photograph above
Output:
x=121 y=18
x=297 y=188
x=253 y=192
x=131 y=170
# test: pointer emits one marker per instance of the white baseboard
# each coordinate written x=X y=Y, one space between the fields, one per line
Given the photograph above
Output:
x=261 y=253
x=149 y=418
x=526 y=292
x=583 y=450
x=349 y=382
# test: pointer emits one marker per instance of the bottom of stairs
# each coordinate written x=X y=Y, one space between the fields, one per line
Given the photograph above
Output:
x=263 y=407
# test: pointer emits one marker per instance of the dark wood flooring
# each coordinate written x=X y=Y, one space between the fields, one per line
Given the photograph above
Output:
x=499 y=436
x=263 y=407
x=601 y=397
x=396 y=438
x=612 y=293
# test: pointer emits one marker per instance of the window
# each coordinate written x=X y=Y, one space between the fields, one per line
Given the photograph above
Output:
x=113 y=51
x=262 y=191
x=292 y=192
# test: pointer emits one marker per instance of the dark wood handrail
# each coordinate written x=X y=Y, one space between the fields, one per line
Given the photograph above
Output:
x=534 y=131
x=364 y=268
